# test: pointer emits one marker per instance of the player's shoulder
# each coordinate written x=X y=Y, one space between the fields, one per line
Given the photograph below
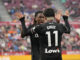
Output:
x=41 y=25
x=61 y=25
x=31 y=25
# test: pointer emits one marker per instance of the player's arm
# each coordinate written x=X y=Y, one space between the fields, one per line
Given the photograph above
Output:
x=24 y=30
x=67 y=25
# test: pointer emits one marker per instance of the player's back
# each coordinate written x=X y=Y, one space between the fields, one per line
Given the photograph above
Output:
x=50 y=39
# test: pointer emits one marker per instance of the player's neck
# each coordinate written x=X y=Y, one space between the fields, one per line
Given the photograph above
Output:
x=50 y=19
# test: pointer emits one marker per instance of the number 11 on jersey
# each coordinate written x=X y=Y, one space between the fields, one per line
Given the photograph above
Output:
x=49 y=38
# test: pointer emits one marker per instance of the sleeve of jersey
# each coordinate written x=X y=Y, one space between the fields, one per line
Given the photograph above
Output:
x=66 y=27
x=24 y=31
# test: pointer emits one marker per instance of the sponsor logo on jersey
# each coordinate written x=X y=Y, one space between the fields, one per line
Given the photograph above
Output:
x=52 y=51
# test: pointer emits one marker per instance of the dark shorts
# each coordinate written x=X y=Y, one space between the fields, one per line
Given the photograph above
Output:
x=51 y=58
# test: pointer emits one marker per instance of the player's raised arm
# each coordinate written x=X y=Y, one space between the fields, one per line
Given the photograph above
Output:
x=67 y=25
x=21 y=18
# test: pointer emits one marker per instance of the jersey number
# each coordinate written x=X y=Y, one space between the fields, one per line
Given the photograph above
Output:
x=49 y=38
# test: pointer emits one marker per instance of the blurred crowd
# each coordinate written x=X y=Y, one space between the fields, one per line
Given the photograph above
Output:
x=74 y=7
x=27 y=7
x=71 y=41
x=10 y=39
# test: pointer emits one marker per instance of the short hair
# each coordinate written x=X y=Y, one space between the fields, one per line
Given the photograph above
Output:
x=49 y=12
x=36 y=13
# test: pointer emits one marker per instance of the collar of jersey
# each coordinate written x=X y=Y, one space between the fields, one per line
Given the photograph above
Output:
x=51 y=19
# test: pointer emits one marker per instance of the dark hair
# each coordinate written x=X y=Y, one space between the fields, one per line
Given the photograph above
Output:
x=49 y=12
x=36 y=13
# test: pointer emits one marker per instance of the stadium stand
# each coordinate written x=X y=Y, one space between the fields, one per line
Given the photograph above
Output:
x=74 y=7
x=26 y=6
x=10 y=40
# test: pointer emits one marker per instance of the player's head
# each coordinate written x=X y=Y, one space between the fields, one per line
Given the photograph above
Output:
x=39 y=17
x=49 y=13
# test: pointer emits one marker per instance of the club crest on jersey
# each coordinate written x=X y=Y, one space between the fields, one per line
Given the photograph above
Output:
x=52 y=51
x=36 y=35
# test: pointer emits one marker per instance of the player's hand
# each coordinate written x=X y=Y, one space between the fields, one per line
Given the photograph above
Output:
x=66 y=13
x=19 y=15
x=65 y=16
x=58 y=15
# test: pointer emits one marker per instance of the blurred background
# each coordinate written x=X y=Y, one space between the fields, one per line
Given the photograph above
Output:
x=12 y=44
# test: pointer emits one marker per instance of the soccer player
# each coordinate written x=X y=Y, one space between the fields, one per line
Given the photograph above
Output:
x=39 y=18
x=50 y=34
